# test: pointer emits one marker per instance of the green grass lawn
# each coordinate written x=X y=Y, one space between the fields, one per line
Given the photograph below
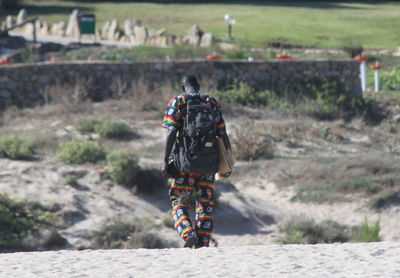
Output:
x=326 y=24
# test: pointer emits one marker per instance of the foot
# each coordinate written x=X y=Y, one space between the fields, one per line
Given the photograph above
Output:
x=191 y=241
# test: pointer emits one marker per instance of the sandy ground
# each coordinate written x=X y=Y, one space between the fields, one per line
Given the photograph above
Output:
x=333 y=260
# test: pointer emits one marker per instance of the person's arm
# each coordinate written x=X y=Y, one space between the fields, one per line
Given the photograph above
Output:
x=169 y=143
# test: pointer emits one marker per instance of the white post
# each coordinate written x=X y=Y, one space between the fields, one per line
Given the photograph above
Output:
x=376 y=80
x=363 y=73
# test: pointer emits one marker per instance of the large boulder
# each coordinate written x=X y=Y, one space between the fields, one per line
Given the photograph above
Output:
x=9 y=21
x=129 y=25
x=105 y=29
x=58 y=29
x=45 y=29
x=22 y=16
x=140 y=35
x=113 y=32
x=194 y=35
x=73 y=25
x=207 y=40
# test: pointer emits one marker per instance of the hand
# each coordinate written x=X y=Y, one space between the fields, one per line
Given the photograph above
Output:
x=164 y=168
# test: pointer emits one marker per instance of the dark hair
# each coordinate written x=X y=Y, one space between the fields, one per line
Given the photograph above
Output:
x=190 y=82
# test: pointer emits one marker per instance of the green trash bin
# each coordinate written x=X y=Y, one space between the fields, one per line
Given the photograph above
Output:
x=87 y=24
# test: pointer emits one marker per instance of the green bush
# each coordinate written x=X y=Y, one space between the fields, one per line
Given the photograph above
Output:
x=88 y=124
x=309 y=232
x=389 y=80
x=129 y=236
x=314 y=95
x=15 y=147
x=18 y=219
x=370 y=233
x=81 y=151
x=122 y=167
x=105 y=127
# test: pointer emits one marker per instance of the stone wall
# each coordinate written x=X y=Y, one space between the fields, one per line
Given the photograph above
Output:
x=24 y=85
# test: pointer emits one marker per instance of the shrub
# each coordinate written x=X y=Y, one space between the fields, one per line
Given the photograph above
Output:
x=252 y=142
x=18 y=219
x=309 y=232
x=105 y=127
x=122 y=167
x=88 y=124
x=111 y=129
x=389 y=80
x=15 y=147
x=384 y=198
x=129 y=236
x=81 y=151
x=370 y=233
x=314 y=95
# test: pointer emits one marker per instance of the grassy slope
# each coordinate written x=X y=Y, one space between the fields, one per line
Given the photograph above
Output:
x=326 y=24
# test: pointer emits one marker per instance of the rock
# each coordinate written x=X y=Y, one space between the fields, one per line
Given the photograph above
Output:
x=28 y=29
x=140 y=34
x=207 y=40
x=22 y=16
x=194 y=35
x=105 y=29
x=112 y=31
x=129 y=25
x=161 y=42
x=9 y=21
x=45 y=30
x=58 y=29
x=172 y=40
x=73 y=25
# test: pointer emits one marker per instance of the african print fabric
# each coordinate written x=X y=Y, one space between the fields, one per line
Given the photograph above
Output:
x=201 y=190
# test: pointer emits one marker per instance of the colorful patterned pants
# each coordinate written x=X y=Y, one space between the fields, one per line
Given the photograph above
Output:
x=201 y=189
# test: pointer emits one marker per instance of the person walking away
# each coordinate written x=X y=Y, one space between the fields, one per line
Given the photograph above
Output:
x=195 y=158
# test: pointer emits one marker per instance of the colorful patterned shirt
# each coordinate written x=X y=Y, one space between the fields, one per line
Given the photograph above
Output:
x=173 y=118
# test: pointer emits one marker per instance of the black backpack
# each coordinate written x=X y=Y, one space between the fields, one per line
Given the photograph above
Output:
x=196 y=149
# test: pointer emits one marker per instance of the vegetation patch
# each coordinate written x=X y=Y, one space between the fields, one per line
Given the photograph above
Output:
x=19 y=219
x=129 y=236
x=252 y=142
x=122 y=167
x=309 y=232
x=313 y=95
x=297 y=231
x=337 y=179
x=370 y=233
x=105 y=127
x=16 y=147
x=81 y=151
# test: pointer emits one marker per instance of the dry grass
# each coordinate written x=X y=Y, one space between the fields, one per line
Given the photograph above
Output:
x=252 y=142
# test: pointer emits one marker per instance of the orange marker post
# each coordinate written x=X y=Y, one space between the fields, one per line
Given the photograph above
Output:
x=363 y=70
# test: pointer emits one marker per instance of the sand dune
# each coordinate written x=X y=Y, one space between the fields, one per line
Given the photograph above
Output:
x=334 y=260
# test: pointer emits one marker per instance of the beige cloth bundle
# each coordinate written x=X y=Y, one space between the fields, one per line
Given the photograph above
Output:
x=225 y=157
